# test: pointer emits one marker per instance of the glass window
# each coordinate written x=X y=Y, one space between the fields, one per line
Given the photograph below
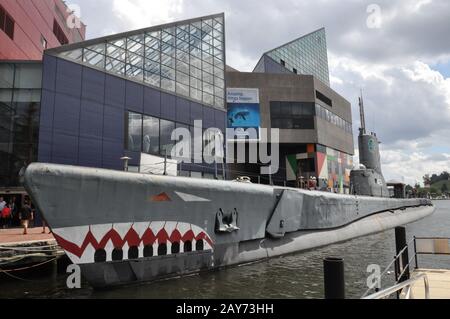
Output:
x=151 y=135
x=115 y=52
x=28 y=76
x=168 y=84
x=168 y=61
x=115 y=66
x=74 y=54
x=6 y=75
x=166 y=129
x=196 y=94
x=94 y=58
x=183 y=67
x=135 y=47
x=134 y=138
x=182 y=78
x=152 y=78
x=208 y=98
x=167 y=72
x=285 y=108
x=183 y=89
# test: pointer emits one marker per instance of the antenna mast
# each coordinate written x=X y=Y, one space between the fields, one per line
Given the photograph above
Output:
x=362 y=114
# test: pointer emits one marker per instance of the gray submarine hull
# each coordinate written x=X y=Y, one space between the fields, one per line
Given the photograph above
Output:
x=125 y=228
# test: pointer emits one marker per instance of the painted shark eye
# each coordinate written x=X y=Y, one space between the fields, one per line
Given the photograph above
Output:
x=133 y=253
x=100 y=256
x=162 y=250
x=148 y=251
x=188 y=246
x=117 y=254
x=200 y=245
x=175 y=248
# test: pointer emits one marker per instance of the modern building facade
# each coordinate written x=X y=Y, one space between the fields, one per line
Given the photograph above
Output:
x=28 y=27
x=123 y=95
x=315 y=122
x=306 y=55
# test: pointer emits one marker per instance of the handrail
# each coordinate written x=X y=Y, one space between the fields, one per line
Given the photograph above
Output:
x=406 y=284
x=390 y=265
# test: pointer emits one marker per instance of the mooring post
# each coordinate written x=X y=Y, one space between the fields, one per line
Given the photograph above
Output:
x=403 y=261
x=334 y=278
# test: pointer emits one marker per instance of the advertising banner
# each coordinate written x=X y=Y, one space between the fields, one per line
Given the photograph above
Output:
x=244 y=116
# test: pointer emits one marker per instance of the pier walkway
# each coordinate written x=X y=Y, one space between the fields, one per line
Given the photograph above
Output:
x=438 y=281
x=14 y=236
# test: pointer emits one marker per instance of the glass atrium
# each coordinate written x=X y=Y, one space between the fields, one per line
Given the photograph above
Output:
x=187 y=58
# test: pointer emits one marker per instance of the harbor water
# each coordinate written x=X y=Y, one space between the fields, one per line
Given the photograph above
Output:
x=295 y=276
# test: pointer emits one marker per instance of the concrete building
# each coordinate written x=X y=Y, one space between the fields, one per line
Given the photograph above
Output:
x=315 y=122
x=28 y=27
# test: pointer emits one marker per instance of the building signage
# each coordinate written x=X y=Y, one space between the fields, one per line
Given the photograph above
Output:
x=244 y=116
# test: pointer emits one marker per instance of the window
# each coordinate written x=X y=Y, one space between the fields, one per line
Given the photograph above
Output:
x=134 y=132
x=292 y=115
x=283 y=63
x=324 y=99
x=151 y=135
x=6 y=23
x=295 y=71
x=166 y=129
x=59 y=33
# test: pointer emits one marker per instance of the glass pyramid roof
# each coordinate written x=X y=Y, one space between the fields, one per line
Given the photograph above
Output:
x=186 y=58
x=306 y=55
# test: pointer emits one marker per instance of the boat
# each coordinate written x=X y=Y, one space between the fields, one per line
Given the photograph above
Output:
x=125 y=228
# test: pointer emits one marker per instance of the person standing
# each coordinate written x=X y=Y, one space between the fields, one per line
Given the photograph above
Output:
x=5 y=216
x=26 y=214
x=13 y=207
x=2 y=203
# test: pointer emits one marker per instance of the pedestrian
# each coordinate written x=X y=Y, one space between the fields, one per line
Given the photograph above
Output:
x=26 y=214
x=13 y=206
x=5 y=216
x=2 y=203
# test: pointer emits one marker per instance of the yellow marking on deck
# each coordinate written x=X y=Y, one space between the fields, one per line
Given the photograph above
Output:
x=439 y=283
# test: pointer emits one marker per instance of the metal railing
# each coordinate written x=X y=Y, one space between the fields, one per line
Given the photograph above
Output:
x=408 y=284
x=397 y=261
x=422 y=246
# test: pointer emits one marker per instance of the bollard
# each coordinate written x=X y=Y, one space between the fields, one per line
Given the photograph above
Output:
x=334 y=278
x=403 y=261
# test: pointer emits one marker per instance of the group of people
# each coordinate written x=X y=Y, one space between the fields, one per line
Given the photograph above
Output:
x=9 y=212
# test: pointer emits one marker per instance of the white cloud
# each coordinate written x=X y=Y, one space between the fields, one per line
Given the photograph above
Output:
x=144 y=13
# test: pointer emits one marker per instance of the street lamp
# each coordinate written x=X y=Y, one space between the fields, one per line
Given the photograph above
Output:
x=125 y=160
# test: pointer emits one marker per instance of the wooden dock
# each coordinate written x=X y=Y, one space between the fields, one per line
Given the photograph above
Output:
x=438 y=281
x=18 y=250
x=14 y=236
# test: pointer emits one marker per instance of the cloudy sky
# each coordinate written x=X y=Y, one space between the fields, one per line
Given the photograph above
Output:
x=398 y=52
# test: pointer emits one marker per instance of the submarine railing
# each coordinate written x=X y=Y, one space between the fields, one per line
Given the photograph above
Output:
x=401 y=287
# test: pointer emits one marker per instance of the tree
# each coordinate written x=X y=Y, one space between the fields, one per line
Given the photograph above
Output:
x=444 y=188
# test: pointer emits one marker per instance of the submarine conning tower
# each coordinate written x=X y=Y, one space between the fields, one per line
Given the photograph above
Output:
x=368 y=180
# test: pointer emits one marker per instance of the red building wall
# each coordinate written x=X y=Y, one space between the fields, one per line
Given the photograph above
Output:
x=33 y=19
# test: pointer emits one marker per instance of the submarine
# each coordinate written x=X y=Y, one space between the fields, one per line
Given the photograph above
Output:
x=125 y=228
